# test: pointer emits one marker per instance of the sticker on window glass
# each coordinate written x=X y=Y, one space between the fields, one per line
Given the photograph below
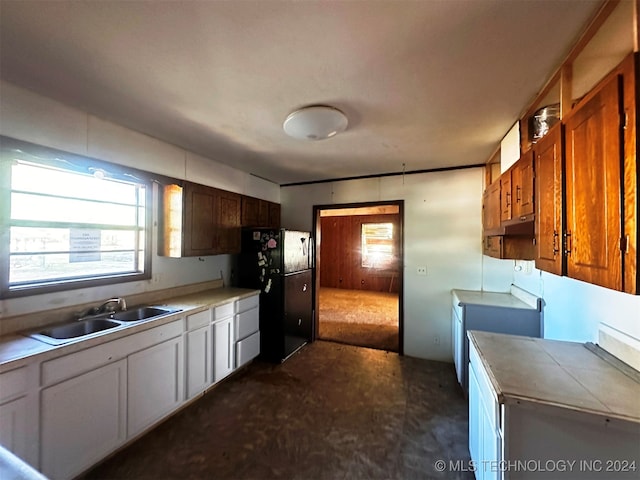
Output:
x=84 y=245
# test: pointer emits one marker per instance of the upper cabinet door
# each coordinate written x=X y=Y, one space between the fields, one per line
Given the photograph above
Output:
x=593 y=142
x=506 y=202
x=200 y=215
x=491 y=207
x=548 y=218
x=522 y=179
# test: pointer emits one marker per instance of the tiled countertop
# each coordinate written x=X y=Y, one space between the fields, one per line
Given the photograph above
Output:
x=556 y=373
x=17 y=350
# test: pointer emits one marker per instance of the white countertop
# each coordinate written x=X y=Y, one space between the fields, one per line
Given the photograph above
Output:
x=556 y=373
x=522 y=300
x=17 y=350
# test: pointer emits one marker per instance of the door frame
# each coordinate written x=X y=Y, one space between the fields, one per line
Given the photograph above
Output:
x=317 y=236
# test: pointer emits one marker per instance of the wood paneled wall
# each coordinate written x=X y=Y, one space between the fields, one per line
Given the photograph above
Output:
x=340 y=251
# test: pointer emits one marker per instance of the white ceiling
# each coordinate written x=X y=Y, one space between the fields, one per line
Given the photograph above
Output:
x=425 y=84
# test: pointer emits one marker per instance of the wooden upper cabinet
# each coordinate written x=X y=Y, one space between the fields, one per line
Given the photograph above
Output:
x=260 y=213
x=198 y=220
x=200 y=217
x=274 y=215
x=629 y=69
x=491 y=208
x=506 y=203
x=228 y=224
x=250 y=211
x=548 y=188
x=522 y=188
x=593 y=179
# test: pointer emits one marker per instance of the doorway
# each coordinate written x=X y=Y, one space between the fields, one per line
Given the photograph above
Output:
x=359 y=274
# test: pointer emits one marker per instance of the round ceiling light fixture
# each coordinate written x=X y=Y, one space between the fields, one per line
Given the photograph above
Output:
x=315 y=122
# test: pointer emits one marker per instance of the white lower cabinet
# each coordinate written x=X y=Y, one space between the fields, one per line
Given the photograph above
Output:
x=223 y=348
x=155 y=384
x=19 y=412
x=64 y=414
x=199 y=364
x=198 y=352
x=13 y=424
x=485 y=440
x=82 y=420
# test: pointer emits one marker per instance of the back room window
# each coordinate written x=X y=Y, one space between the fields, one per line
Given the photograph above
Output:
x=70 y=228
x=377 y=245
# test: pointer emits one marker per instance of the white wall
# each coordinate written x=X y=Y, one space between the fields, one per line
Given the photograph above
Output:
x=33 y=118
x=442 y=231
x=573 y=309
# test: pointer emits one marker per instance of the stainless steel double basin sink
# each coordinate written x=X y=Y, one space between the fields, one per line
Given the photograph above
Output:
x=97 y=324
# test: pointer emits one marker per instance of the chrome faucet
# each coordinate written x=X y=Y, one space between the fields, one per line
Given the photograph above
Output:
x=104 y=307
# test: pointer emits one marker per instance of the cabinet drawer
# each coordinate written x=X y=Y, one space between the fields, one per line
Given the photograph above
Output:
x=77 y=363
x=199 y=319
x=487 y=393
x=247 y=349
x=247 y=303
x=13 y=383
x=246 y=324
x=223 y=311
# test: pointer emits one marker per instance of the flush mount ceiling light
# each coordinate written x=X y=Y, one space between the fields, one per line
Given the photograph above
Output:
x=315 y=122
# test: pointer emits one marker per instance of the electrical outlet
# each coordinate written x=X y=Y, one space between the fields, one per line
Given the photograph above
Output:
x=422 y=271
x=436 y=340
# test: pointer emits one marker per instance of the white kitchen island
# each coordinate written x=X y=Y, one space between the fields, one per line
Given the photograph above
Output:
x=550 y=409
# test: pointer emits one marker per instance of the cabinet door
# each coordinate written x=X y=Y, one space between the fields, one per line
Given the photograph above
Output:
x=492 y=246
x=458 y=342
x=82 y=420
x=491 y=207
x=476 y=412
x=506 y=207
x=198 y=360
x=523 y=186
x=228 y=222
x=200 y=217
x=13 y=426
x=274 y=215
x=594 y=189
x=548 y=219
x=223 y=348
x=250 y=211
x=155 y=384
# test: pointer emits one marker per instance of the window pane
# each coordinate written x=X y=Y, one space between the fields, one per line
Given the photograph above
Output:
x=32 y=178
x=26 y=206
x=52 y=266
x=377 y=245
x=35 y=239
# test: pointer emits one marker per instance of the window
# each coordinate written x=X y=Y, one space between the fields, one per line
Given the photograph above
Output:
x=71 y=225
x=377 y=245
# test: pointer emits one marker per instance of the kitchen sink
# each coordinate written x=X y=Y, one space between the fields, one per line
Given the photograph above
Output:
x=90 y=326
x=68 y=331
x=141 y=313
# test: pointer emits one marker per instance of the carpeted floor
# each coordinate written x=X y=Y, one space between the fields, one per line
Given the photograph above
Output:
x=329 y=412
x=359 y=317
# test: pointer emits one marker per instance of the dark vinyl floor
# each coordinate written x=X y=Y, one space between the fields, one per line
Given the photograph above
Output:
x=330 y=412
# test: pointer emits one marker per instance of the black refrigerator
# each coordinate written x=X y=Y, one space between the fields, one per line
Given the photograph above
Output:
x=279 y=263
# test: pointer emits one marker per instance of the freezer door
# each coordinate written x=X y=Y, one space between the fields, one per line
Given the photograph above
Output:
x=297 y=251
